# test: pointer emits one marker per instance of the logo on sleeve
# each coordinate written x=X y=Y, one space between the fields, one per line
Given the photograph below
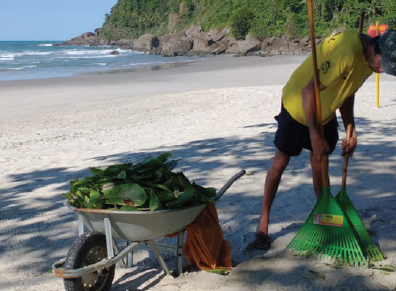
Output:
x=326 y=66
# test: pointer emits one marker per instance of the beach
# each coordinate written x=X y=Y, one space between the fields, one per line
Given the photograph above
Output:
x=217 y=116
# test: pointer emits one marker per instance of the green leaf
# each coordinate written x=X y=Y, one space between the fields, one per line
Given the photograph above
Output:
x=184 y=182
x=103 y=181
x=203 y=199
x=164 y=157
x=182 y=200
x=172 y=183
x=208 y=192
x=219 y=271
x=157 y=176
x=130 y=191
x=170 y=165
x=317 y=275
x=95 y=200
x=386 y=268
x=114 y=170
x=155 y=186
x=150 y=163
x=97 y=171
x=76 y=184
x=111 y=171
x=155 y=204
x=166 y=196
x=128 y=208
x=121 y=175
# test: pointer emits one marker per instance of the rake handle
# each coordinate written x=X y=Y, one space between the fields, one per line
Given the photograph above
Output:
x=345 y=167
x=349 y=127
x=325 y=170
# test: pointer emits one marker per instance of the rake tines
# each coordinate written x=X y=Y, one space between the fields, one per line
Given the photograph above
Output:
x=365 y=241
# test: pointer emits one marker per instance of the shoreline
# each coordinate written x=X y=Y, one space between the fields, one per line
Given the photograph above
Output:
x=224 y=71
x=212 y=72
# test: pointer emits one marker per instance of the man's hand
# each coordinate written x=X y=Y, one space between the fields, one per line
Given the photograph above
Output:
x=348 y=146
x=319 y=146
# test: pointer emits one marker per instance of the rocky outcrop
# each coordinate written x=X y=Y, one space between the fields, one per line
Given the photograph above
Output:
x=146 y=43
x=242 y=48
x=176 y=45
x=88 y=38
x=195 y=42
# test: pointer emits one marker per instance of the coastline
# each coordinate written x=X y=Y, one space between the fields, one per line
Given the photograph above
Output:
x=211 y=72
x=216 y=115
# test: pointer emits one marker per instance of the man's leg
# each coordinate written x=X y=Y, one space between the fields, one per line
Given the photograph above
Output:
x=274 y=175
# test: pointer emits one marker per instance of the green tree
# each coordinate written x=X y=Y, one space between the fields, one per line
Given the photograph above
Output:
x=241 y=22
x=260 y=18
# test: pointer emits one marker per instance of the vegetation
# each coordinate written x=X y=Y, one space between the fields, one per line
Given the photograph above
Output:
x=259 y=18
x=149 y=185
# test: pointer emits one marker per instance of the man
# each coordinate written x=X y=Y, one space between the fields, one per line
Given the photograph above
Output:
x=345 y=60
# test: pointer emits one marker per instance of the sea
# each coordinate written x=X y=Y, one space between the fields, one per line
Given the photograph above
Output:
x=22 y=60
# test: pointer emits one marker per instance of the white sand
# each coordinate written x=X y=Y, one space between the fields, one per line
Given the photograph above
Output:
x=217 y=116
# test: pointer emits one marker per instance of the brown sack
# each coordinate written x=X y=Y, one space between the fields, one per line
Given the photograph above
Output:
x=205 y=246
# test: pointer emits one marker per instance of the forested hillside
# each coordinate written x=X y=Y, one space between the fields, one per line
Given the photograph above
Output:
x=259 y=18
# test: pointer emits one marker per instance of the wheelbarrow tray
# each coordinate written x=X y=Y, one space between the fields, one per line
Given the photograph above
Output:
x=138 y=225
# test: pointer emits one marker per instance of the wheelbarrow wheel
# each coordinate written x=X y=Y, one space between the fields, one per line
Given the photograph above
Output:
x=88 y=249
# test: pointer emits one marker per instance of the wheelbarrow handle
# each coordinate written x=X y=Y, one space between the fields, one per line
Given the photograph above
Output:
x=228 y=184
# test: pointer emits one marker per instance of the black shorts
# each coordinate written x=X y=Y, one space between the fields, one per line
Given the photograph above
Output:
x=292 y=136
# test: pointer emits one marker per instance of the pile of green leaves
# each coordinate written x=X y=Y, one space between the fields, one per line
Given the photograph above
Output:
x=148 y=185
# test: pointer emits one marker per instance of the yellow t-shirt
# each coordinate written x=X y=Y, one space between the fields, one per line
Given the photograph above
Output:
x=342 y=69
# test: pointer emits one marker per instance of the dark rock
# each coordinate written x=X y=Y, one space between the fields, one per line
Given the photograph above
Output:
x=194 y=41
x=178 y=48
x=201 y=44
x=243 y=47
x=115 y=53
x=193 y=32
x=87 y=34
x=217 y=35
x=125 y=43
x=146 y=43
x=97 y=31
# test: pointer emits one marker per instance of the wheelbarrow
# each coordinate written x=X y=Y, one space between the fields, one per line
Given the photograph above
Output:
x=91 y=260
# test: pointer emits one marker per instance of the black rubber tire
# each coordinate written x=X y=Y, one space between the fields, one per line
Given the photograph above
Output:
x=88 y=249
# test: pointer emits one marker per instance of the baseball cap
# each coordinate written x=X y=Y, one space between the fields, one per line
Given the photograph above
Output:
x=387 y=44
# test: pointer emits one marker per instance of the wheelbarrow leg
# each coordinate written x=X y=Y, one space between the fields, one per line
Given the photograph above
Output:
x=112 y=244
x=109 y=237
x=129 y=261
x=158 y=256
x=179 y=253
x=80 y=225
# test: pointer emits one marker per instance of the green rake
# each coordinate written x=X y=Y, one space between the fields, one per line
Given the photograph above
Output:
x=365 y=241
x=326 y=232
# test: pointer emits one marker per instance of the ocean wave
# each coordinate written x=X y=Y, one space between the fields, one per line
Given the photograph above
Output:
x=6 y=57
x=86 y=57
x=31 y=53
x=35 y=59
x=18 y=68
x=89 y=52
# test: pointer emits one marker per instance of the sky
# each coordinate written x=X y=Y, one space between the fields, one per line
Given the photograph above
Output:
x=57 y=20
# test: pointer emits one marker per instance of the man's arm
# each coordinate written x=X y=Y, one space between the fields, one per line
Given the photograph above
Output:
x=319 y=145
x=347 y=115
